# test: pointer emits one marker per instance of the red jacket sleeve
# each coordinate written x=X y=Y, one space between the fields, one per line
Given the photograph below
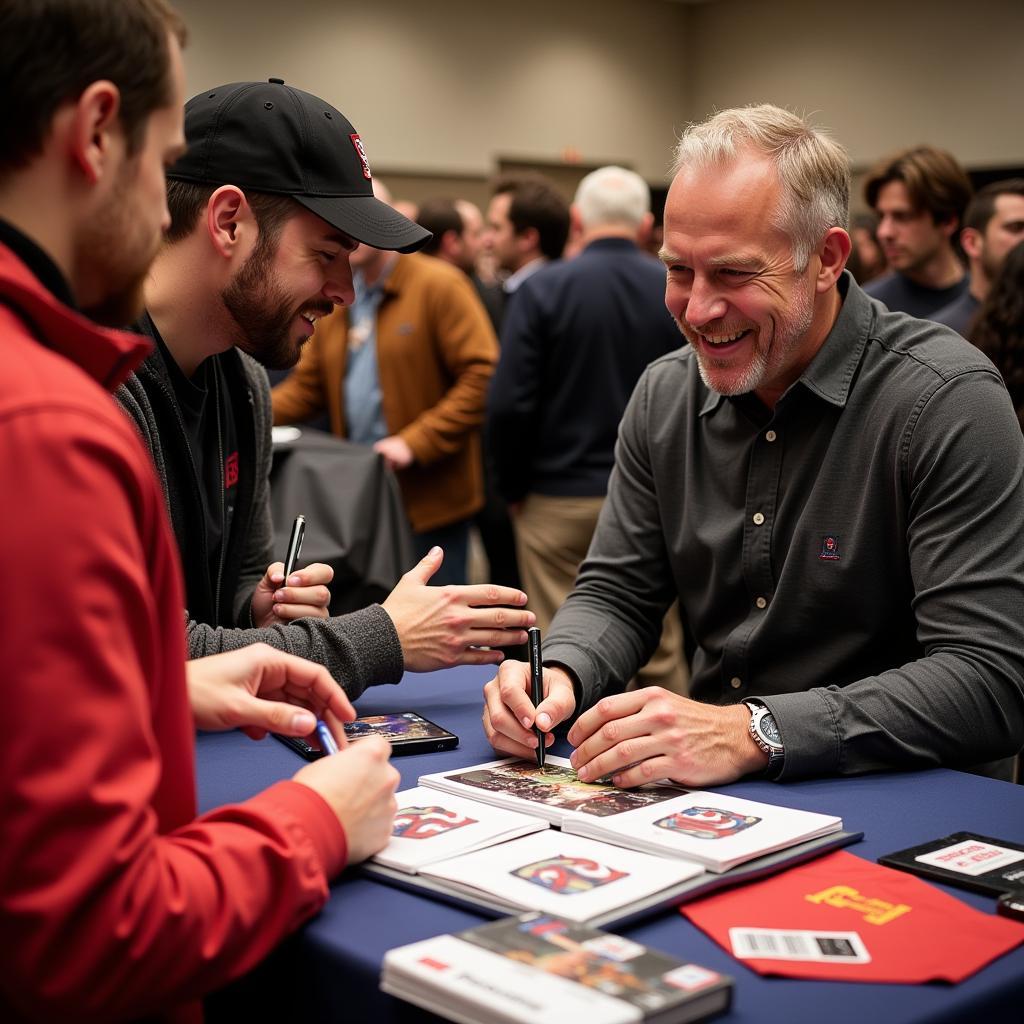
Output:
x=114 y=901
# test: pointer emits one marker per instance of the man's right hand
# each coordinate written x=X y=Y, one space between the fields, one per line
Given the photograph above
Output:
x=509 y=714
x=444 y=626
x=359 y=784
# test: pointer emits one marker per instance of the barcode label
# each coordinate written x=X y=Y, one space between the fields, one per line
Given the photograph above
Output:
x=776 y=944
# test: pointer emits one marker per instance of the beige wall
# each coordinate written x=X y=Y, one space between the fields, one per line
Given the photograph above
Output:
x=880 y=73
x=453 y=86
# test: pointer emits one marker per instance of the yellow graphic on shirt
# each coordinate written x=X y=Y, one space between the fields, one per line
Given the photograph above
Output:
x=875 y=911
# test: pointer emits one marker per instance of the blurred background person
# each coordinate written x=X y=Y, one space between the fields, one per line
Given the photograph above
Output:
x=993 y=225
x=527 y=225
x=919 y=196
x=867 y=261
x=999 y=328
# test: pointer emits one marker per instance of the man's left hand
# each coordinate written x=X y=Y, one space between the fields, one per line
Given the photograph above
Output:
x=663 y=736
x=277 y=600
x=260 y=690
x=395 y=451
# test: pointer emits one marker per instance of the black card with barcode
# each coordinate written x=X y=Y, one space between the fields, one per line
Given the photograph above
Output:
x=967 y=860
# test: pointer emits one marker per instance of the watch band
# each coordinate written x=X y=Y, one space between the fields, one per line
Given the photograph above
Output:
x=775 y=750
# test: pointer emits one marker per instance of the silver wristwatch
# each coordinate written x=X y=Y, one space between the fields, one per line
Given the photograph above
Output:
x=765 y=733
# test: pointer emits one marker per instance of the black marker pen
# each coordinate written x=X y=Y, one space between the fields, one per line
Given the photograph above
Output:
x=294 y=547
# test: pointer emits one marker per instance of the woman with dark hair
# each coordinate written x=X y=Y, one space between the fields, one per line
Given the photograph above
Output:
x=998 y=328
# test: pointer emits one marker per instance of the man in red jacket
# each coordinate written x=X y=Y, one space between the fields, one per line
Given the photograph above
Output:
x=115 y=900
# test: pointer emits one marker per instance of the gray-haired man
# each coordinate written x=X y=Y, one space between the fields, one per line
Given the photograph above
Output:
x=833 y=491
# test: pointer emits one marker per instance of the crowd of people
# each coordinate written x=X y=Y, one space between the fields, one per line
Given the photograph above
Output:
x=766 y=517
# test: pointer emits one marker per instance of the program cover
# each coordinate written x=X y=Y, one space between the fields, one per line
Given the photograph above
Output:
x=965 y=859
x=542 y=969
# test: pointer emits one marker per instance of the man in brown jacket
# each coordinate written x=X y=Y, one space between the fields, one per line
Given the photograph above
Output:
x=406 y=368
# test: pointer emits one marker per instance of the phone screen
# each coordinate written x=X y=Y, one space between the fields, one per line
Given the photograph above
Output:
x=407 y=732
x=403 y=727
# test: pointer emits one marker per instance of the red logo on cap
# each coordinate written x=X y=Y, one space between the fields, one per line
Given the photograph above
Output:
x=361 y=153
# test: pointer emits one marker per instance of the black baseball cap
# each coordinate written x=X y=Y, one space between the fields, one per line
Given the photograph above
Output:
x=271 y=137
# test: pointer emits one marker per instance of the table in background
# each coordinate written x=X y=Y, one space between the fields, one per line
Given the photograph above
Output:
x=329 y=971
x=355 y=520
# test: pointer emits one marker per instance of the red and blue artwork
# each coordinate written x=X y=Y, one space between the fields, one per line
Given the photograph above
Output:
x=427 y=822
x=707 y=822
x=568 y=875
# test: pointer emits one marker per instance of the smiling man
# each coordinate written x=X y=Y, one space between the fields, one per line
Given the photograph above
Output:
x=267 y=205
x=833 y=492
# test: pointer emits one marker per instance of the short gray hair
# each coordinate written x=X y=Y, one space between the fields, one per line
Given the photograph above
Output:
x=814 y=170
x=612 y=195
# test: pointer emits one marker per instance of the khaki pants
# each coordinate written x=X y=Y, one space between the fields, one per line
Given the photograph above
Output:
x=552 y=538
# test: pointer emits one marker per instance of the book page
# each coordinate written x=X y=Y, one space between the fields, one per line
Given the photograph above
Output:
x=553 y=792
x=562 y=874
x=431 y=826
x=712 y=828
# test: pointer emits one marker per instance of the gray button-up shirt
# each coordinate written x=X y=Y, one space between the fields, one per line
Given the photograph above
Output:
x=853 y=557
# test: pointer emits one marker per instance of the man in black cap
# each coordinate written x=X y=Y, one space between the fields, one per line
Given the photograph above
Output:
x=271 y=198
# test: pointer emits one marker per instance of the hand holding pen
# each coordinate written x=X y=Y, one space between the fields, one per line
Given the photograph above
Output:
x=286 y=593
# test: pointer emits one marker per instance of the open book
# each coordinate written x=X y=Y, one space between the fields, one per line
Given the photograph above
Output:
x=456 y=836
x=539 y=969
x=714 y=830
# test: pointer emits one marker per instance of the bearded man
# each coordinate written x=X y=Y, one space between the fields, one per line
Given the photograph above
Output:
x=272 y=197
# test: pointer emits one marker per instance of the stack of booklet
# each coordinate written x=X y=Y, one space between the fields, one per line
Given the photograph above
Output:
x=481 y=835
x=541 y=969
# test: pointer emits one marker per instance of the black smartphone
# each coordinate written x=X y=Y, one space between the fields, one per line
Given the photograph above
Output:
x=407 y=732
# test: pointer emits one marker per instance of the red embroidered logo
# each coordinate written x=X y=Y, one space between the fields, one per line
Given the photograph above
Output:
x=231 y=470
x=829 y=548
x=361 y=153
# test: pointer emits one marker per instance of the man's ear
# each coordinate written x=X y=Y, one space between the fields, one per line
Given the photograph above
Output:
x=575 y=222
x=94 y=133
x=451 y=243
x=230 y=222
x=949 y=226
x=972 y=242
x=643 y=233
x=832 y=256
x=528 y=240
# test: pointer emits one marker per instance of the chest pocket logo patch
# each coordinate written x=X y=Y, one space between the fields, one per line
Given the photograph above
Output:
x=829 y=548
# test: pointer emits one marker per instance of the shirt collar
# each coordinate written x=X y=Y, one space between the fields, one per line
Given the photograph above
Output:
x=107 y=355
x=513 y=281
x=38 y=261
x=831 y=372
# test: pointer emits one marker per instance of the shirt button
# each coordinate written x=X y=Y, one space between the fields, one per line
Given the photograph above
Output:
x=735 y=682
x=770 y=436
x=758 y=518
x=761 y=603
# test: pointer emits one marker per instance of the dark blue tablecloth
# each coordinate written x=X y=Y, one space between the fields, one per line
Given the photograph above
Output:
x=329 y=971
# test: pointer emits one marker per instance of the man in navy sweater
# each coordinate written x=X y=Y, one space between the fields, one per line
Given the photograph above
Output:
x=573 y=345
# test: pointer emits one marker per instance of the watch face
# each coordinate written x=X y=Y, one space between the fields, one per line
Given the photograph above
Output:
x=770 y=730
